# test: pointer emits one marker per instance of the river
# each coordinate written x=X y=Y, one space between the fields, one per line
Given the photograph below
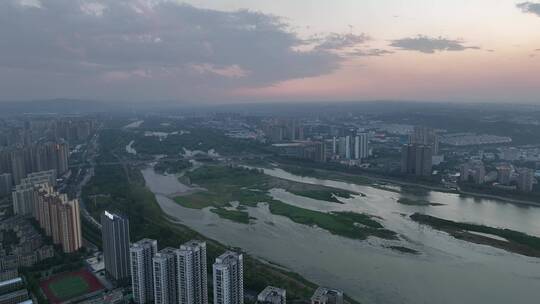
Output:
x=447 y=271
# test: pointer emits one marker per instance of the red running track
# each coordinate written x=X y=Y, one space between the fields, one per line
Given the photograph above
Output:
x=91 y=280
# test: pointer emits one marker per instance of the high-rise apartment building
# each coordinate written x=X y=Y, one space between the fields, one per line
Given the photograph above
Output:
x=228 y=274
x=525 y=179
x=192 y=273
x=416 y=160
x=115 y=238
x=361 y=148
x=474 y=170
x=504 y=174
x=142 y=279
x=24 y=198
x=53 y=155
x=426 y=137
x=56 y=215
x=464 y=172
x=40 y=177
x=42 y=207
x=6 y=183
x=165 y=276
x=348 y=146
x=25 y=195
x=351 y=147
x=5 y=161
x=342 y=148
x=19 y=161
x=69 y=225
x=479 y=173
x=18 y=167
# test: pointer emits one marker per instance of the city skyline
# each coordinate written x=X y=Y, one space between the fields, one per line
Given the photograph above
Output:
x=269 y=151
x=203 y=51
x=321 y=205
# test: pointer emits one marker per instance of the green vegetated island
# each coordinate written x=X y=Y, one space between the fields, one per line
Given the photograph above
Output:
x=415 y=202
x=248 y=187
x=403 y=249
x=514 y=241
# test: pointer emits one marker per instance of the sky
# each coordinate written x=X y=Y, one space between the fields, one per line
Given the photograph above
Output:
x=229 y=51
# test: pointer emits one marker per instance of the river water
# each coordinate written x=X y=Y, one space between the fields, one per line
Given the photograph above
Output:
x=447 y=271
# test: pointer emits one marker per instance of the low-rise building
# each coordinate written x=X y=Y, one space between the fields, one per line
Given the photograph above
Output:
x=272 y=295
x=324 y=295
x=312 y=150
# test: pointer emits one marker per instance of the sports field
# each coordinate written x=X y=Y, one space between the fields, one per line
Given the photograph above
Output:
x=69 y=285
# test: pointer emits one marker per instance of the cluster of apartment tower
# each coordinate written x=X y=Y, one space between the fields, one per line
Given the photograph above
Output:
x=38 y=145
x=58 y=216
x=169 y=275
x=350 y=147
x=417 y=155
x=475 y=171
x=19 y=161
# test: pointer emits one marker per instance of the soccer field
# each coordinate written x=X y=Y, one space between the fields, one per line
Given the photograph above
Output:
x=69 y=287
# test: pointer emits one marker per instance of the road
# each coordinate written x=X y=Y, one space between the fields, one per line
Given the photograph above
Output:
x=90 y=156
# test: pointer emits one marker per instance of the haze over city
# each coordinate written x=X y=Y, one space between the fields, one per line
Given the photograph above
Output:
x=256 y=51
x=269 y=151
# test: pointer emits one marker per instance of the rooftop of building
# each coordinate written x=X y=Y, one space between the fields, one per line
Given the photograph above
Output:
x=325 y=291
x=227 y=257
x=114 y=215
x=142 y=242
x=272 y=291
x=193 y=244
x=165 y=253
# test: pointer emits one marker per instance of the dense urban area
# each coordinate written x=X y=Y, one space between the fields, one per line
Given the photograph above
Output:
x=201 y=205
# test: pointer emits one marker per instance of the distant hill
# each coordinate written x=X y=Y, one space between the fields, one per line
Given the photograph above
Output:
x=53 y=106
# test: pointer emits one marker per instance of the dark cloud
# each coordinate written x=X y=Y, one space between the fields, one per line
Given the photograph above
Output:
x=430 y=45
x=529 y=7
x=370 y=52
x=335 y=41
x=160 y=47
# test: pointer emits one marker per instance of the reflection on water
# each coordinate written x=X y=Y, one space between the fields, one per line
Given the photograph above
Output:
x=448 y=271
